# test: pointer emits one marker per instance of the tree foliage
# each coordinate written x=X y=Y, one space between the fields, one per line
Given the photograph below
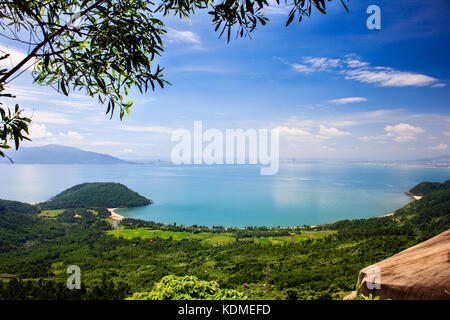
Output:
x=187 y=288
x=98 y=194
x=13 y=126
x=425 y=188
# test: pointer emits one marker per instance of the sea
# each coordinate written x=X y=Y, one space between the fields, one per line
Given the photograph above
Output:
x=234 y=195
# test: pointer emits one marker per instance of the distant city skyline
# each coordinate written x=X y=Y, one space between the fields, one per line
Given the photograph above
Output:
x=333 y=88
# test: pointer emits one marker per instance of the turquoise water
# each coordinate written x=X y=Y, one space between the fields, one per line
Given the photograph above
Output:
x=234 y=195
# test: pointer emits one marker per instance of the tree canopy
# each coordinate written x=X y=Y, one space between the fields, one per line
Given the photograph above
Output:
x=106 y=47
x=97 y=194
x=425 y=188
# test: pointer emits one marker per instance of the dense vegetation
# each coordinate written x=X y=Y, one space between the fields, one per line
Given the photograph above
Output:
x=98 y=194
x=187 y=288
x=36 y=247
x=425 y=188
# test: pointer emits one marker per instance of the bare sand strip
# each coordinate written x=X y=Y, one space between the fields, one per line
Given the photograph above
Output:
x=114 y=215
x=388 y=215
x=415 y=197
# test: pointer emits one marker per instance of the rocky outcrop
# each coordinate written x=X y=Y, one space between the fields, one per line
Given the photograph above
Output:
x=421 y=272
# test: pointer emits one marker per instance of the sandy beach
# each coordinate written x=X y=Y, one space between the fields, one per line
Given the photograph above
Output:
x=415 y=197
x=388 y=215
x=114 y=215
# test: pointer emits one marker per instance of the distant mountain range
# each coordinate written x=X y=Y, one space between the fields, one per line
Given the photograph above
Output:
x=57 y=154
x=437 y=162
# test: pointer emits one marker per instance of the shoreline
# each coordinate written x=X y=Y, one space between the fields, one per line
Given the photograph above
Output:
x=114 y=215
x=414 y=196
x=409 y=194
x=390 y=214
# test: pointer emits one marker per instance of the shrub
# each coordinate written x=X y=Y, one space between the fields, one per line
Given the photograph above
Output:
x=173 y=287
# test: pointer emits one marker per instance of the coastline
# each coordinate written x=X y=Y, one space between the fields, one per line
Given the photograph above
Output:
x=390 y=214
x=114 y=215
x=409 y=194
x=414 y=196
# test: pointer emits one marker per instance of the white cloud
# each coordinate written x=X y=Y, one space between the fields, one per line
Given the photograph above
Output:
x=27 y=93
x=38 y=93
x=38 y=131
x=446 y=133
x=403 y=132
x=174 y=35
x=343 y=123
x=439 y=147
x=315 y=64
x=15 y=56
x=329 y=132
x=388 y=77
x=373 y=138
x=439 y=85
x=73 y=135
x=403 y=128
x=348 y=100
x=302 y=68
x=49 y=117
x=353 y=61
x=321 y=64
x=354 y=69
x=152 y=129
x=71 y=103
x=286 y=131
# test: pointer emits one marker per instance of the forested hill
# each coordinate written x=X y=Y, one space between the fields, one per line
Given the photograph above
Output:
x=424 y=218
x=425 y=188
x=98 y=194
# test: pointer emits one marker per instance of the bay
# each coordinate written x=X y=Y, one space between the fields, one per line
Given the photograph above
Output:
x=301 y=193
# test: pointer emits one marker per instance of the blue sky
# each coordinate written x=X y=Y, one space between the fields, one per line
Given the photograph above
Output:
x=334 y=89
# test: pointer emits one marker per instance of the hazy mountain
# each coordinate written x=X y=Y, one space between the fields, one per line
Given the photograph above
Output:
x=57 y=154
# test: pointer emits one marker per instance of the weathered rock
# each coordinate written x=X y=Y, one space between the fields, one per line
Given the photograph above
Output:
x=420 y=272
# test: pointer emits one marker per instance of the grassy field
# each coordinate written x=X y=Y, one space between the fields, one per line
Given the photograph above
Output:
x=207 y=238
x=50 y=213
x=305 y=235
x=215 y=239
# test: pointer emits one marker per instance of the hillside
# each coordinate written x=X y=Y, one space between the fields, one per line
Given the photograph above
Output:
x=98 y=194
x=57 y=154
x=417 y=273
x=259 y=262
x=424 y=218
x=425 y=188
